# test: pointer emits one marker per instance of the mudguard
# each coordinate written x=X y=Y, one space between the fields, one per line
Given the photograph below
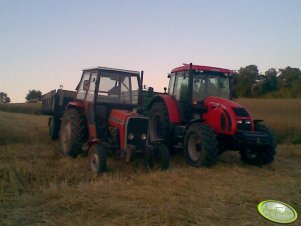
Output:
x=171 y=105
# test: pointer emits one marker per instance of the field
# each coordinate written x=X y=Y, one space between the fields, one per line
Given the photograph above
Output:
x=39 y=186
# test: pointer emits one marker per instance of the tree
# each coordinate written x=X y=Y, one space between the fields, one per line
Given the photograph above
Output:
x=270 y=82
x=289 y=76
x=246 y=80
x=4 y=98
x=34 y=95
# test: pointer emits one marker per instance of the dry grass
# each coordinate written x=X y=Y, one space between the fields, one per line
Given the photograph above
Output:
x=282 y=115
x=40 y=186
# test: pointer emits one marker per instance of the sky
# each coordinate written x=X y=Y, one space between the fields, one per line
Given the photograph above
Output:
x=47 y=43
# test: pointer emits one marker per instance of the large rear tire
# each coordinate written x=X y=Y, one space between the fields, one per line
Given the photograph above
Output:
x=200 y=145
x=98 y=159
x=260 y=155
x=73 y=133
x=160 y=126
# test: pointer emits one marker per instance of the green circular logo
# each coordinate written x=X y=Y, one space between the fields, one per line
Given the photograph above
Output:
x=278 y=212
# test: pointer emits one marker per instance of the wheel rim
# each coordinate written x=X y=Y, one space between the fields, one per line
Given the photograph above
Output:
x=194 y=147
x=66 y=138
x=94 y=161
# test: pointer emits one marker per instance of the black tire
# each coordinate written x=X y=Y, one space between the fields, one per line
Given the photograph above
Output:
x=162 y=156
x=98 y=159
x=149 y=157
x=160 y=126
x=200 y=145
x=157 y=156
x=260 y=155
x=73 y=132
x=54 y=127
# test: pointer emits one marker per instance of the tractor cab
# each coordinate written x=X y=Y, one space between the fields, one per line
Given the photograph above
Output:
x=107 y=85
x=106 y=89
x=191 y=84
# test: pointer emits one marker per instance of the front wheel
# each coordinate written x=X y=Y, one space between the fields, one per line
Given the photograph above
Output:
x=200 y=145
x=157 y=156
x=98 y=159
x=260 y=155
x=162 y=156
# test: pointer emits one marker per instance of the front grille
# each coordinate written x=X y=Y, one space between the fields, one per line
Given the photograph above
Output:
x=137 y=126
x=253 y=138
x=240 y=112
x=244 y=126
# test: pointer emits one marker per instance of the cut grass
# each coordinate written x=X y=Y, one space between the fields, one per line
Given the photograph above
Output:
x=40 y=186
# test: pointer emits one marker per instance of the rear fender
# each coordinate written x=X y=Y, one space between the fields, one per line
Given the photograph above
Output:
x=74 y=104
x=171 y=105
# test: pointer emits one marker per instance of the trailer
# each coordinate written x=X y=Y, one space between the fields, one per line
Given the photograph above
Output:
x=54 y=104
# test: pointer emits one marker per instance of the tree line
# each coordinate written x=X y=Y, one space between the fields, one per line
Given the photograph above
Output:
x=32 y=96
x=247 y=82
x=282 y=83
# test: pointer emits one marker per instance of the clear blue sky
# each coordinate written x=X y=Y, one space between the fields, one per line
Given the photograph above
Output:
x=46 y=43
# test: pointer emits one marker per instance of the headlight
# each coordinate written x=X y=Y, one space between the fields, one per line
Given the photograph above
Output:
x=239 y=121
x=248 y=121
x=143 y=136
x=130 y=136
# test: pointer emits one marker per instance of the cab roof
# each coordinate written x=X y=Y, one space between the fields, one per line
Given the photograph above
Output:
x=186 y=67
x=111 y=69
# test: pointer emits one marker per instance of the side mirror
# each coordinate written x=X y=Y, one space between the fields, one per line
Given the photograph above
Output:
x=86 y=85
x=168 y=76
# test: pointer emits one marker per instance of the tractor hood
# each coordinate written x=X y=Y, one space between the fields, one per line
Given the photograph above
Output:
x=119 y=117
x=226 y=116
x=212 y=100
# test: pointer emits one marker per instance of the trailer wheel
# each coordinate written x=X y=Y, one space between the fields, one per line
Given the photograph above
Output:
x=159 y=126
x=200 y=145
x=98 y=159
x=260 y=155
x=73 y=132
x=54 y=127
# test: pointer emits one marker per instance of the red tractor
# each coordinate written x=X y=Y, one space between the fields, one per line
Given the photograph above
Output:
x=101 y=117
x=197 y=114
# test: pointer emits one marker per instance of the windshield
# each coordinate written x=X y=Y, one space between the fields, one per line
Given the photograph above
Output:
x=205 y=85
x=118 y=88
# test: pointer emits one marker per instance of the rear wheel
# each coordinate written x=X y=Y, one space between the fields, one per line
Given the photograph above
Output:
x=260 y=155
x=73 y=132
x=159 y=127
x=98 y=158
x=200 y=145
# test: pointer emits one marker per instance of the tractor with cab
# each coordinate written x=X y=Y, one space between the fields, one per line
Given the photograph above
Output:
x=197 y=114
x=103 y=117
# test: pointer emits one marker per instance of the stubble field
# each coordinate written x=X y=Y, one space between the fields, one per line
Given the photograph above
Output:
x=39 y=186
